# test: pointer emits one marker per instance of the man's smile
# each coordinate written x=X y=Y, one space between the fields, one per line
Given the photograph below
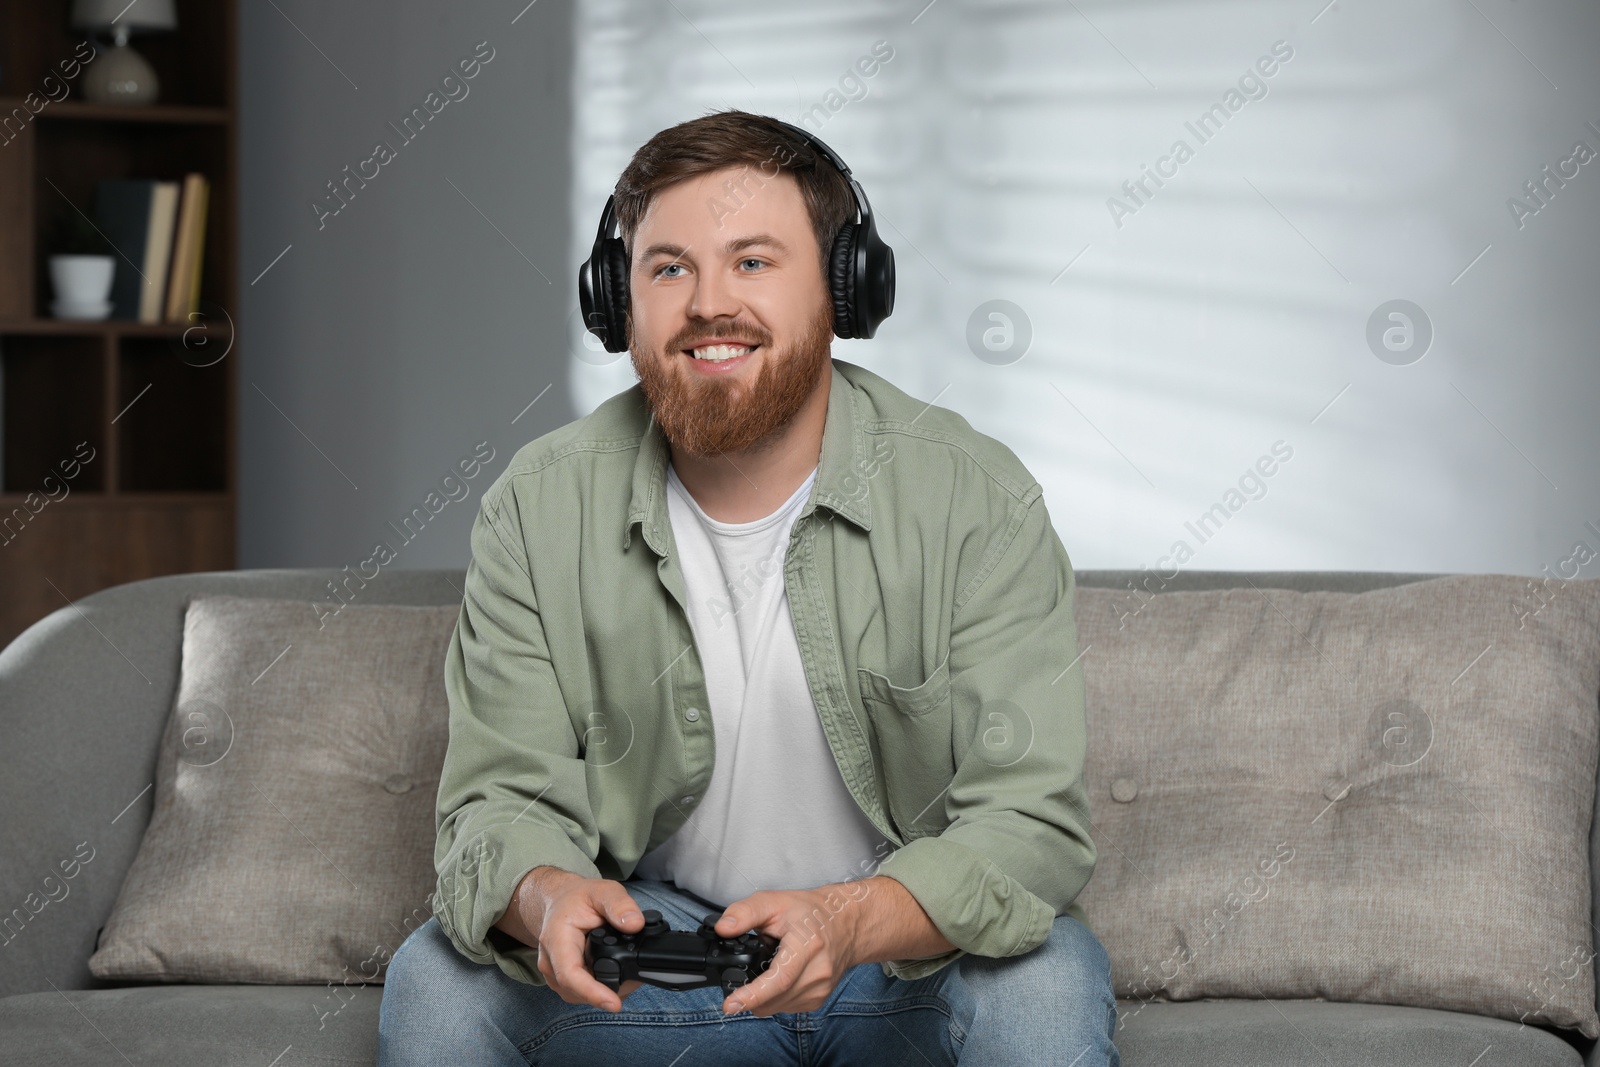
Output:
x=719 y=357
x=716 y=352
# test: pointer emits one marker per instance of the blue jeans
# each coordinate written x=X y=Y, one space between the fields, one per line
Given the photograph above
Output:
x=1052 y=1005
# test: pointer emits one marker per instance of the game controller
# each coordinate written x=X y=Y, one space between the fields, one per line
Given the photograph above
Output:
x=678 y=959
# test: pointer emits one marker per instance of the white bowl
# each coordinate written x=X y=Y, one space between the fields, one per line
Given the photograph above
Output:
x=82 y=280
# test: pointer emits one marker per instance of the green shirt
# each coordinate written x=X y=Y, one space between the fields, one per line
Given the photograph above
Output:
x=933 y=607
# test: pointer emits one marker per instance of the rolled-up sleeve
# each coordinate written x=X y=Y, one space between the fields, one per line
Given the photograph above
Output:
x=1017 y=850
x=512 y=792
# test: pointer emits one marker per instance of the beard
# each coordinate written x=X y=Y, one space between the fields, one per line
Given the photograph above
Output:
x=708 y=416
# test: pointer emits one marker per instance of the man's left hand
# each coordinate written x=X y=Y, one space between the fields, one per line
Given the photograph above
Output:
x=817 y=944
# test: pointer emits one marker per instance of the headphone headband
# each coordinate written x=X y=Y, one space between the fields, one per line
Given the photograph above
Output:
x=860 y=268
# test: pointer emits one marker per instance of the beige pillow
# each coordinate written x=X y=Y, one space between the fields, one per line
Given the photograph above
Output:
x=1380 y=797
x=293 y=831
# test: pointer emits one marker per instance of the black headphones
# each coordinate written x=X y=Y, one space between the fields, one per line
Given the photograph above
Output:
x=860 y=270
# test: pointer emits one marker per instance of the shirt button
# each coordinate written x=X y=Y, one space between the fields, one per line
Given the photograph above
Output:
x=397 y=783
x=1123 y=790
x=692 y=714
x=689 y=799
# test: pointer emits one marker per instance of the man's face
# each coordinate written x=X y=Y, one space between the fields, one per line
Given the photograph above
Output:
x=711 y=265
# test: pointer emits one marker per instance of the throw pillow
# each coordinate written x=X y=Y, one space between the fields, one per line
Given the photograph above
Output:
x=293 y=830
x=1380 y=797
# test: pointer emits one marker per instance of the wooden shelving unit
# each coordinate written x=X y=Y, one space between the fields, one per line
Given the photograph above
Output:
x=155 y=403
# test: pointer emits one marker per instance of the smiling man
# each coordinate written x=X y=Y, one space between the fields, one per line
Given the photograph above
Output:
x=762 y=636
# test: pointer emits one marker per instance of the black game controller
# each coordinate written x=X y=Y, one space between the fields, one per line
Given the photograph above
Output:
x=678 y=959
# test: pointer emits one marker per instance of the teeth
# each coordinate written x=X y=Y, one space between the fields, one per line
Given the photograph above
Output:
x=719 y=353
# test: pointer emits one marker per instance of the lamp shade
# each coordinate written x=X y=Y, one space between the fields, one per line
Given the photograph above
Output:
x=138 y=15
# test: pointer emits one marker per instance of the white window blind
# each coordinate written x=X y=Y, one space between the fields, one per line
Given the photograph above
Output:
x=1181 y=326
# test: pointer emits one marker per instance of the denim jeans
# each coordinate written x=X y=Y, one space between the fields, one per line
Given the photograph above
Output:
x=1053 y=1005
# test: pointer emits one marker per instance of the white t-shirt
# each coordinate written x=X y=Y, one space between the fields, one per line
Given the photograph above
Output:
x=777 y=814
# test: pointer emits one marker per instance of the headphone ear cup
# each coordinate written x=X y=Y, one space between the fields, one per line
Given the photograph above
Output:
x=614 y=302
x=875 y=299
x=842 y=280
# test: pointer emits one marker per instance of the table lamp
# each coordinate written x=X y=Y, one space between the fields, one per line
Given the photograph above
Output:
x=122 y=76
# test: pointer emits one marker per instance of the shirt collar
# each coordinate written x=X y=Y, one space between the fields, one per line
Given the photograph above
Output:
x=838 y=486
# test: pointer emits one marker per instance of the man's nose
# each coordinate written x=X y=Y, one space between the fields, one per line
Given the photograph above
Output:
x=713 y=297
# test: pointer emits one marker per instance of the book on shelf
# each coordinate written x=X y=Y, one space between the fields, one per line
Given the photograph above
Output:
x=183 y=281
x=158 y=230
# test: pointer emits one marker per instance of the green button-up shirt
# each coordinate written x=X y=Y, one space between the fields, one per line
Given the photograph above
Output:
x=933 y=607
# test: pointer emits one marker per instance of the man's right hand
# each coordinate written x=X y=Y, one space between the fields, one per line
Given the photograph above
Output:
x=553 y=910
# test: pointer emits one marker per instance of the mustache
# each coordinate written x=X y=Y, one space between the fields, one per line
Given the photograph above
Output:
x=745 y=337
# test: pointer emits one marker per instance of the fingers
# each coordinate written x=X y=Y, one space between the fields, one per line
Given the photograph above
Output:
x=760 y=997
x=561 y=961
x=736 y=919
x=747 y=913
x=567 y=933
x=799 y=979
x=619 y=909
x=746 y=997
x=775 y=982
x=562 y=950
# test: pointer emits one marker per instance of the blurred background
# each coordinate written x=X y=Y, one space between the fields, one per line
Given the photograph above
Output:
x=1256 y=285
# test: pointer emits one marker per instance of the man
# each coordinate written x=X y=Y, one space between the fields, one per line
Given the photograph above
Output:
x=767 y=636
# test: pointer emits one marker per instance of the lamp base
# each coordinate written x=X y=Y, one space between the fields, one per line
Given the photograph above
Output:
x=121 y=76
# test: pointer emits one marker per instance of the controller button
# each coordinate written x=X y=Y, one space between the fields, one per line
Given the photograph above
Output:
x=610 y=940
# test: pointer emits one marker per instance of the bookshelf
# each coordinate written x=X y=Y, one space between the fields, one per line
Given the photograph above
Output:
x=151 y=405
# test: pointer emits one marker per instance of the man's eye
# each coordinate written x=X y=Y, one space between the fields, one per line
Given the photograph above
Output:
x=752 y=259
x=667 y=267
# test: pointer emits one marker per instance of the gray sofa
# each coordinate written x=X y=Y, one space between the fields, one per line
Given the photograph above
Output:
x=85 y=693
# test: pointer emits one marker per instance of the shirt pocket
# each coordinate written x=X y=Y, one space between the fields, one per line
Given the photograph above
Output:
x=914 y=739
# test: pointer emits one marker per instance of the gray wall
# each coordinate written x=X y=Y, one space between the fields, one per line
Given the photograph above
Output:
x=393 y=337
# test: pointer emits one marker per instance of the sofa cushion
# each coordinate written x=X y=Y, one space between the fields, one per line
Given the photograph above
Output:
x=193 y=1026
x=220 y=1026
x=292 y=835
x=251 y=1026
x=1313 y=1033
x=1381 y=796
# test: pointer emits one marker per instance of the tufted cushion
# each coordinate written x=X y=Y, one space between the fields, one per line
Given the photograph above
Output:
x=293 y=829
x=1381 y=796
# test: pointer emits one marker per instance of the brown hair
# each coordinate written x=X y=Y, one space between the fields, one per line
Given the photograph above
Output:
x=728 y=138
